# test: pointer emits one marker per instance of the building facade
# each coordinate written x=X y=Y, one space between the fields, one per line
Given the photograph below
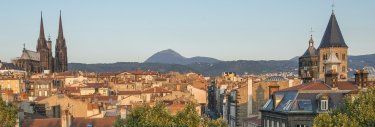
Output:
x=311 y=63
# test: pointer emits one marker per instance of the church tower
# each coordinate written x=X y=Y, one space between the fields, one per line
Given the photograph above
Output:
x=308 y=63
x=333 y=43
x=43 y=50
x=61 y=56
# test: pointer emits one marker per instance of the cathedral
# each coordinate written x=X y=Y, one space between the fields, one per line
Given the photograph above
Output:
x=330 y=59
x=41 y=60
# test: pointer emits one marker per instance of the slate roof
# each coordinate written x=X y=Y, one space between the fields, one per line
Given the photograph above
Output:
x=9 y=66
x=30 y=55
x=311 y=51
x=332 y=36
x=303 y=98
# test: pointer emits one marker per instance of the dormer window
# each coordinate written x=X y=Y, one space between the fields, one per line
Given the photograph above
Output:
x=324 y=105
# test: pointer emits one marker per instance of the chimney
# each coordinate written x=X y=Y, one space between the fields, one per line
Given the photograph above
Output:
x=66 y=119
x=361 y=78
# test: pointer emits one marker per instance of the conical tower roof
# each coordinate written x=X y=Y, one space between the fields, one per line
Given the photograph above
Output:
x=332 y=36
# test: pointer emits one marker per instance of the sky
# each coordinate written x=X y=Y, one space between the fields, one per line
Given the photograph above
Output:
x=132 y=30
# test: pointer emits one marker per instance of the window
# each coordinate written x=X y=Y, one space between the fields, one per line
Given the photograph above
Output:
x=277 y=124
x=265 y=123
x=272 y=123
x=40 y=93
x=337 y=55
x=324 y=105
x=343 y=56
x=343 y=69
x=301 y=125
x=268 y=123
x=283 y=125
x=45 y=93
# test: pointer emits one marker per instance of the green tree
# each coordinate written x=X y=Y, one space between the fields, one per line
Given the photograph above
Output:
x=187 y=117
x=145 y=116
x=359 y=112
x=8 y=114
x=214 y=123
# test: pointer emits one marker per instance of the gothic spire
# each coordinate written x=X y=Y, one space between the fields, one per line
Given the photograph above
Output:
x=41 y=32
x=332 y=36
x=61 y=34
x=42 y=39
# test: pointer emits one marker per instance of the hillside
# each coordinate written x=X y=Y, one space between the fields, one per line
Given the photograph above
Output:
x=214 y=69
x=170 y=56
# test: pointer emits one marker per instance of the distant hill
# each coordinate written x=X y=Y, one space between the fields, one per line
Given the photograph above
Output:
x=214 y=69
x=170 y=56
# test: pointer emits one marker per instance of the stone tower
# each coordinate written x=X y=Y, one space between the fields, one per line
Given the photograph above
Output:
x=333 y=43
x=61 y=56
x=43 y=50
x=308 y=63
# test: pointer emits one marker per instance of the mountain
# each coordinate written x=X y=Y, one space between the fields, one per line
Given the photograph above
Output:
x=215 y=69
x=170 y=56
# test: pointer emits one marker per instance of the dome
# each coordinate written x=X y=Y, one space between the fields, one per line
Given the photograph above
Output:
x=311 y=51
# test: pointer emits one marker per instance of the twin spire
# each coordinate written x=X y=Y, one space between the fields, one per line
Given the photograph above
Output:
x=41 y=33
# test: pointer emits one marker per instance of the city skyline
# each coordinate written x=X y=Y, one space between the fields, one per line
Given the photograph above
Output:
x=133 y=31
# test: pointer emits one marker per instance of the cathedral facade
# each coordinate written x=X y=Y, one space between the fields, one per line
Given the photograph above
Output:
x=42 y=59
x=331 y=57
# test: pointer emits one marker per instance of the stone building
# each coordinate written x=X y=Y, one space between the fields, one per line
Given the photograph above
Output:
x=42 y=59
x=308 y=63
x=332 y=43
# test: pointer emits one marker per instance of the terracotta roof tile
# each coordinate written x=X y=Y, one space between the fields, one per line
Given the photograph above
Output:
x=129 y=92
x=156 y=90
x=308 y=86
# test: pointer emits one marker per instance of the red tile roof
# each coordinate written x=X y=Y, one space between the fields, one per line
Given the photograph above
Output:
x=308 y=86
x=346 y=86
x=156 y=90
x=129 y=92
x=341 y=85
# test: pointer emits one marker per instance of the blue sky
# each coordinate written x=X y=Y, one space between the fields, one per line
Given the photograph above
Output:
x=131 y=31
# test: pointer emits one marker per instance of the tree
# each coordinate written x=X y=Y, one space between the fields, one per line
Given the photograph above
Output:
x=8 y=114
x=359 y=112
x=214 y=123
x=187 y=117
x=157 y=116
x=146 y=116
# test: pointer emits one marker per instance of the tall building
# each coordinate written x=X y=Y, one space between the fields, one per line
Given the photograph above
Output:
x=308 y=63
x=61 y=56
x=42 y=59
x=46 y=60
x=312 y=62
x=333 y=43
